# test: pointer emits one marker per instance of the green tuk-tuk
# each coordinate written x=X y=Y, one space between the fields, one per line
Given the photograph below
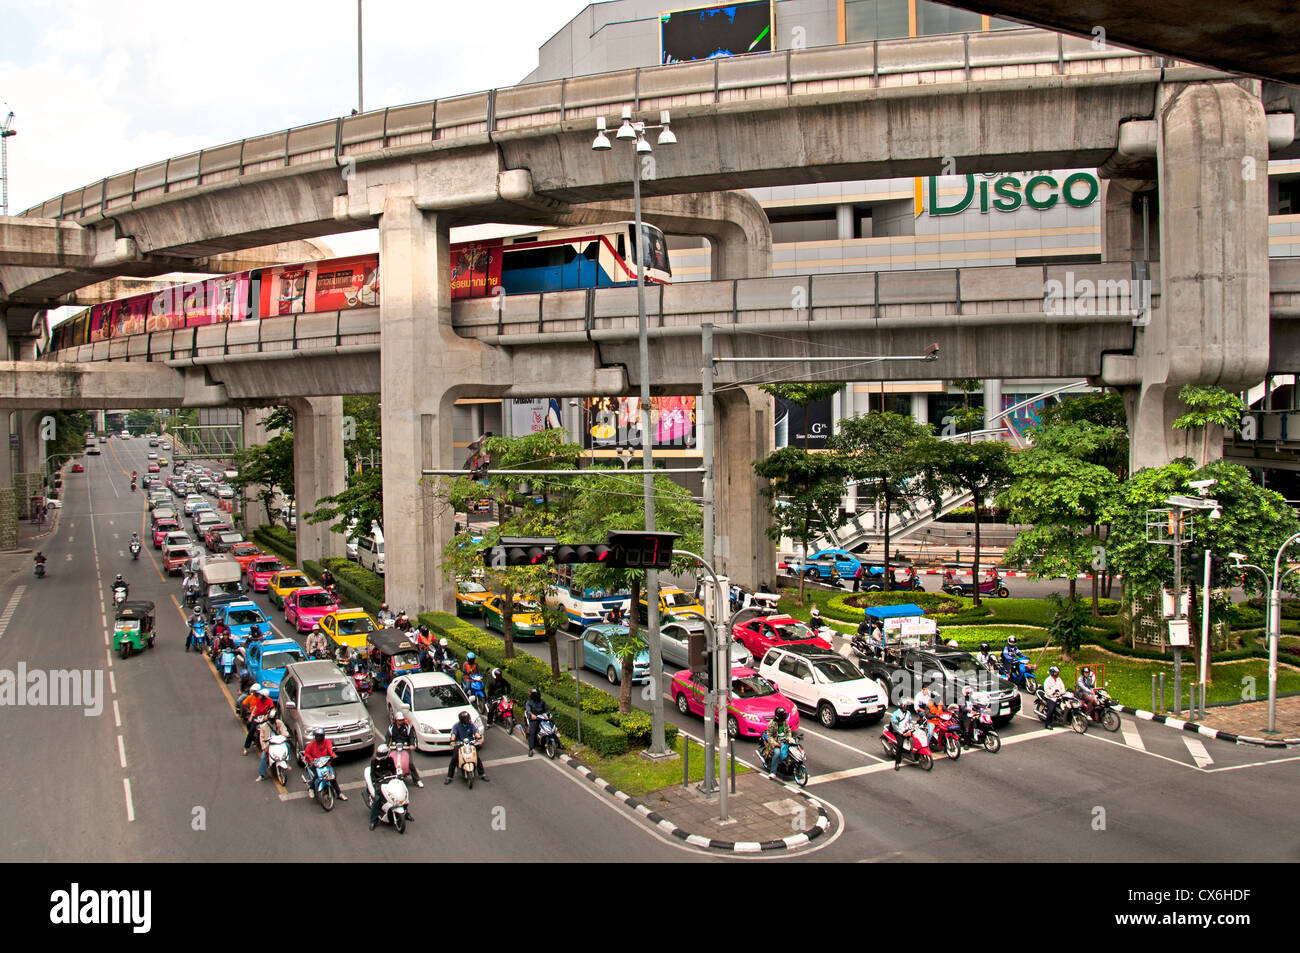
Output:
x=133 y=627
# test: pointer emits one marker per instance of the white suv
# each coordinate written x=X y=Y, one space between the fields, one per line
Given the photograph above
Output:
x=822 y=681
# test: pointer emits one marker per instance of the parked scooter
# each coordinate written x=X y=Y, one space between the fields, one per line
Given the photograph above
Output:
x=915 y=746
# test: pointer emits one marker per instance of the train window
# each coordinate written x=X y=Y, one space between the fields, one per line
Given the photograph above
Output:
x=552 y=256
x=592 y=251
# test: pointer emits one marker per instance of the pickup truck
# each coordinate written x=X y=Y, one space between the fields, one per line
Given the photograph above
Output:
x=905 y=671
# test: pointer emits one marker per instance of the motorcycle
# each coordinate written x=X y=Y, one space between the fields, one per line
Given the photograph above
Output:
x=39 y=570
x=945 y=734
x=916 y=746
x=277 y=756
x=227 y=665
x=396 y=798
x=1103 y=712
x=363 y=683
x=135 y=550
x=320 y=780
x=467 y=760
x=793 y=766
x=989 y=587
x=1020 y=672
x=198 y=632
x=119 y=595
x=1069 y=711
x=504 y=711
x=402 y=758
x=980 y=731
x=548 y=739
x=477 y=694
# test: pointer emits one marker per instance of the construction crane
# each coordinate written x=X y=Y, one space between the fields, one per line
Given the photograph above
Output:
x=6 y=131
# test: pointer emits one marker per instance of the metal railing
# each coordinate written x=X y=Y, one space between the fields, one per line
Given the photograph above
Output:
x=916 y=61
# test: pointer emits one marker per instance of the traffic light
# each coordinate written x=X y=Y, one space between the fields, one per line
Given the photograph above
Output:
x=697 y=644
x=519 y=551
x=1221 y=570
x=583 y=553
x=635 y=549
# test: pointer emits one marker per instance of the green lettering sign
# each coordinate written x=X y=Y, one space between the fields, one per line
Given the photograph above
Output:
x=937 y=209
x=1041 y=204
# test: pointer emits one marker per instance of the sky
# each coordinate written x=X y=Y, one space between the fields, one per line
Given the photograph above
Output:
x=102 y=86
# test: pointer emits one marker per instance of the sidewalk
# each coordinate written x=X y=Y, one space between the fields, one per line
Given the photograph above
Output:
x=1251 y=719
x=763 y=816
x=31 y=537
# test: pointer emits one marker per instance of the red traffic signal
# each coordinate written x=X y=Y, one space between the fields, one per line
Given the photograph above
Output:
x=583 y=553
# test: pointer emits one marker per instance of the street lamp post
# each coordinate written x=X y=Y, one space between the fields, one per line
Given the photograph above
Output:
x=1274 y=599
x=630 y=131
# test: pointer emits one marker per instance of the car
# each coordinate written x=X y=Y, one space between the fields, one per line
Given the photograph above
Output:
x=78 y=468
x=829 y=564
x=152 y=456
x=177 y=557
x=598 y=654
x=244 y=553
x=153 y=441
x=763 y=632
x=259 y=570
x=152 y=468
x=470 y=596
x=230 y=473
x=93 y=452
x=945 y=672
x=164 y=445
x=205 y=518
x=432 y=703
x=213 y=531
x=370 y=551
x=306 y=606
x=160 y=530
x=266 y=659
x=673 y=603
x=754 y=701
x=162 y=461
x=350 y=627
x=283 y=583
x=240 y=616
x=224 y=542
x=526 y=617
x=673 y=641
x=823 y=681
x=192 y=500
x=225 y=493
x=315 y=694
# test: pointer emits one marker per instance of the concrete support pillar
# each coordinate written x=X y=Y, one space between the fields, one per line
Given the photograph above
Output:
x=744 y=435
x=250 y=504
x=992 y=403
x=1125 y=236
x=920 y=409
x=1212 y=326
x=844 y=222
x=31 y=446
x=318 y=469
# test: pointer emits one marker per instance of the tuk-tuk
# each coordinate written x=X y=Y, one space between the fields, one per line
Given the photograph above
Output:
x=392 y=654
x=133 y=627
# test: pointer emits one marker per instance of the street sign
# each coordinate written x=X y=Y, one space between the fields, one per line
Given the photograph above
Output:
x=1167 y=603
x=1178 y=633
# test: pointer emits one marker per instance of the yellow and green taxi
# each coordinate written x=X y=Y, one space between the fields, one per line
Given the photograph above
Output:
x=350 y=627
x=526 y=618
x=283 y=583
x=672 y=602
x=470 y=596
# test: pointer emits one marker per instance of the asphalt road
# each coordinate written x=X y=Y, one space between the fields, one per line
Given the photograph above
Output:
x=157 y=774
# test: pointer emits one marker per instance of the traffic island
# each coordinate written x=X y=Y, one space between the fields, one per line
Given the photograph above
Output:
x=763 y=815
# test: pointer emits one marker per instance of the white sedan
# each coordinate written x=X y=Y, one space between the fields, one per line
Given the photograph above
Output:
x=432 y=703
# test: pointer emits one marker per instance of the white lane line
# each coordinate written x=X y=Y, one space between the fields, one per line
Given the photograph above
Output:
x=888 y=765
x=1253 y=764
x=1196 y=748
x=121 y=750
x=112 y=680
x=130 y=808
x=1131 y=736
x=117 y=715
x=347 y=786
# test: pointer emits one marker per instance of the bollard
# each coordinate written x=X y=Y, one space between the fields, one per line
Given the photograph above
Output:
x=1153 y=693
x=733 y=768
x=1162 y=693
x=686 y=763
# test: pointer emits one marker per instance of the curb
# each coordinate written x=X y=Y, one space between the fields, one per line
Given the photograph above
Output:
x=1214 y=733
x=696 y=840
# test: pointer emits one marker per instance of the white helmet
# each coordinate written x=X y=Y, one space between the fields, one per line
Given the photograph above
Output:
x=257 y=688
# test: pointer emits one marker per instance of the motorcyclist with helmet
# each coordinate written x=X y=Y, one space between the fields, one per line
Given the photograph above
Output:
x=38 y=562
x=497 y=687
x=385 y=615
x=1054 y=690
x=1011 y=655
x=120 y=583
x=776 y=740
x=1085 y=689
x=461 y=732
x=383 y=766
x=901 y=725
x=441 y=653
x=984 y=658
x=315 y=644
x=319 y=747
x=536 y=711
x=965 y=709
x=258 y=708
x=402 y=623
x=402 y=732
x=195 y=620
x=470 y=667
x=270 y=725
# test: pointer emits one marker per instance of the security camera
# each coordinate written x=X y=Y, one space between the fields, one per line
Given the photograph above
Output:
x=1202 y=486
x=1237 y=557
x=1216 y=513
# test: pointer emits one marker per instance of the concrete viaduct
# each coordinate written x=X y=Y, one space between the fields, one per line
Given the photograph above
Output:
x=1189 y=137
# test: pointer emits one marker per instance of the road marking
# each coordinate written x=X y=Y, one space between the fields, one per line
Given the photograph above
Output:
x=121 y=750
x=112 y=680
x=1196 y=748
x=888 y=765
x=117 y=715
x=9 y=609
x=1131 y=736
x=347 y=786
x=1253 y=764
x=130 y=808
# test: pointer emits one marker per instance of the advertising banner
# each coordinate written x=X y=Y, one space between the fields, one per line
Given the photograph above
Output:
x=475 y=268
x=616 y=421
x=534 y=416
x=703 y=33
x=794 y=423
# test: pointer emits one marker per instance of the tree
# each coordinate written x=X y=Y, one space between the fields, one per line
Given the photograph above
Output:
x=143 y=421
x=804 y=492
x=1066 y=626
x=605 y=501
x=981 y=469
x=887 y=453
x=1209 y=407
x=968 y=418
x=361 y=504
x=269 y=466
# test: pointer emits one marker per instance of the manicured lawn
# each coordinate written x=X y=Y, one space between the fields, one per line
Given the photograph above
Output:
x=969 y=637
x=636 y=775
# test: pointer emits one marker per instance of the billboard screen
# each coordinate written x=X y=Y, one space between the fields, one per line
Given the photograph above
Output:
x=616 y=421
x=793 y=424
x=727 y=29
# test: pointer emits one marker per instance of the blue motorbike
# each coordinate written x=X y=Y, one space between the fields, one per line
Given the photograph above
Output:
x=477 y=692
x=320 y=781
x=1019 y=672
x=227 y=665
x=198 y=634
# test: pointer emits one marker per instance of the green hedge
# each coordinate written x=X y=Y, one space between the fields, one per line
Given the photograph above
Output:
x=603 y=729
x=360 y=585
x=279 y=541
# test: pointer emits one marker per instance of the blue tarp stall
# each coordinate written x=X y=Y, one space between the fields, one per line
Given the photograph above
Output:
x=894 y=612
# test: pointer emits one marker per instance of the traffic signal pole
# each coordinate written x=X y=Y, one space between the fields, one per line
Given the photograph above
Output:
x=1205 y=623
x=705 y=417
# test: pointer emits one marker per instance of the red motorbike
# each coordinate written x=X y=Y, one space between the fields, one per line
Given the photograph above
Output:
x=503 y=710
x=915 y=746
x=363 y=683
x=946 y=733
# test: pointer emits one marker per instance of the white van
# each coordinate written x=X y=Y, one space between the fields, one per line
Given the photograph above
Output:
x=370 y=552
